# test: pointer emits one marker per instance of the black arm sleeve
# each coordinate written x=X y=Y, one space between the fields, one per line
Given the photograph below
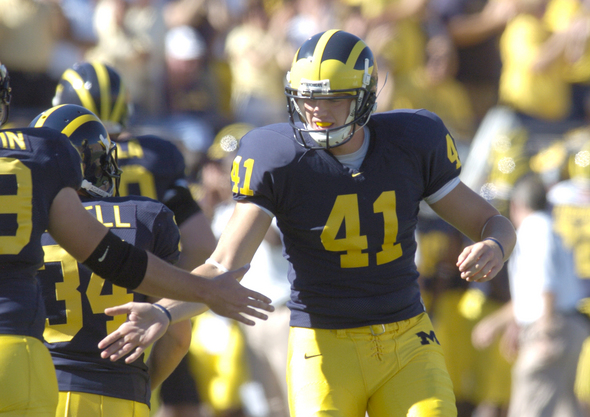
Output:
x=118 y=262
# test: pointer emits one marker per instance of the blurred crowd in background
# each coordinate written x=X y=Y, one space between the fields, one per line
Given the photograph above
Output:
x=510 y=79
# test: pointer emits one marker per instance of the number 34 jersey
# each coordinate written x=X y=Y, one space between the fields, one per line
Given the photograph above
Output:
x=35 y=165
x=75 y=299
x=349 y=235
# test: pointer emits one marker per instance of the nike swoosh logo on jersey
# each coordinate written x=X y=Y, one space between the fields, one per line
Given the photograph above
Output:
x=356 y=174
x=104 y=255
x=306 y=356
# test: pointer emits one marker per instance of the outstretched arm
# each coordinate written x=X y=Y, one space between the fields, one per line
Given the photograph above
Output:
x=145 y=325
x=238 y=243
x=79 y=233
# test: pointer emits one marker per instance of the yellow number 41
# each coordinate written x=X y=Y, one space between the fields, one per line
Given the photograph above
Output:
x=346 y=210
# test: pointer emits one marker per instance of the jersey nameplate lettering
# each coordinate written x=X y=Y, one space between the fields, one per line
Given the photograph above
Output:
x=14 y=140
x=118 y=217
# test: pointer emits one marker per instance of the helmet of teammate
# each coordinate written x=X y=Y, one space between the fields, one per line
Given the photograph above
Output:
x=89 y=136
x=329 y=65
x=5 y=95
x=100 y=89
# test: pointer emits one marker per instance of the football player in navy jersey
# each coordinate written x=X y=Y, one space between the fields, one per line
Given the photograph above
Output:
x=40 y=172
x=345 y=189
x=75 y=298
x=154 y=167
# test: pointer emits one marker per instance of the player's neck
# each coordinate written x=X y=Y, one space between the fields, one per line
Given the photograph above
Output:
x=353 y=145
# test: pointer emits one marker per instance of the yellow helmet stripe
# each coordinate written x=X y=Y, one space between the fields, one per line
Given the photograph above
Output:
x=41 y=121
x=120 y=104
x=319 y=50
x=355 y=53
x=77 y=82
x=104 y=83
x=77 y=122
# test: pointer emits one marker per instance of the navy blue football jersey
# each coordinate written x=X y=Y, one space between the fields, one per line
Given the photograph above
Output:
x=349 y=235
x=35 y=164
x=154 y=167
x=75 y=299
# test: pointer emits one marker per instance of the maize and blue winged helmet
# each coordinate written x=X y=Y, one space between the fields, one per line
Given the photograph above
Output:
x=332 y=65
x=89 y=136
x=100 y=89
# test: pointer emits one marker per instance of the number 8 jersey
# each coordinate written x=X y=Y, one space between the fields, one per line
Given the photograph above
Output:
x=348 y=234
x=35 y=165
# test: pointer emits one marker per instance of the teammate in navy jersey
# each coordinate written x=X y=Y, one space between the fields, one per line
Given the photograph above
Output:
x=75 y=297
x=154 y=167
x=40 y=172
x=29 y=183
x=345 y=189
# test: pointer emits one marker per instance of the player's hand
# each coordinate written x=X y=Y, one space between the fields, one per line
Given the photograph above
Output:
x=230 y=299
x=145 y=325
x=480 y=262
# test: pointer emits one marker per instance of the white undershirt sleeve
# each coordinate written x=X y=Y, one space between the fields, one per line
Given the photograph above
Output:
x=444 y=190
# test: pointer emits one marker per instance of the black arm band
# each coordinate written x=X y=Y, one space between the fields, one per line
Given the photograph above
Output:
x=180 y=200
x=118 y=262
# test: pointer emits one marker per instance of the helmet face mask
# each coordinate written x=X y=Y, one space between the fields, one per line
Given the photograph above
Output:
x=101 y=172
x=5 y=95
x=328 y=66
x=89 y=136
x=100 y=89
x=332 y=136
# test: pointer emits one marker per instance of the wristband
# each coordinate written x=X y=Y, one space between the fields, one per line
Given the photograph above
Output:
x=216 y=265
x=497 y=243
x=165 y=310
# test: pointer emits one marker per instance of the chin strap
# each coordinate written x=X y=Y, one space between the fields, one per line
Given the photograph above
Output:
x=95 y=191
x=333 y=137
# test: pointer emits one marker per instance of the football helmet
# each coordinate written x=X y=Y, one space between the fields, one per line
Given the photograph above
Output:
x=89 y=136
x=330 y=65
x=5 y=94
x=100 y=89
